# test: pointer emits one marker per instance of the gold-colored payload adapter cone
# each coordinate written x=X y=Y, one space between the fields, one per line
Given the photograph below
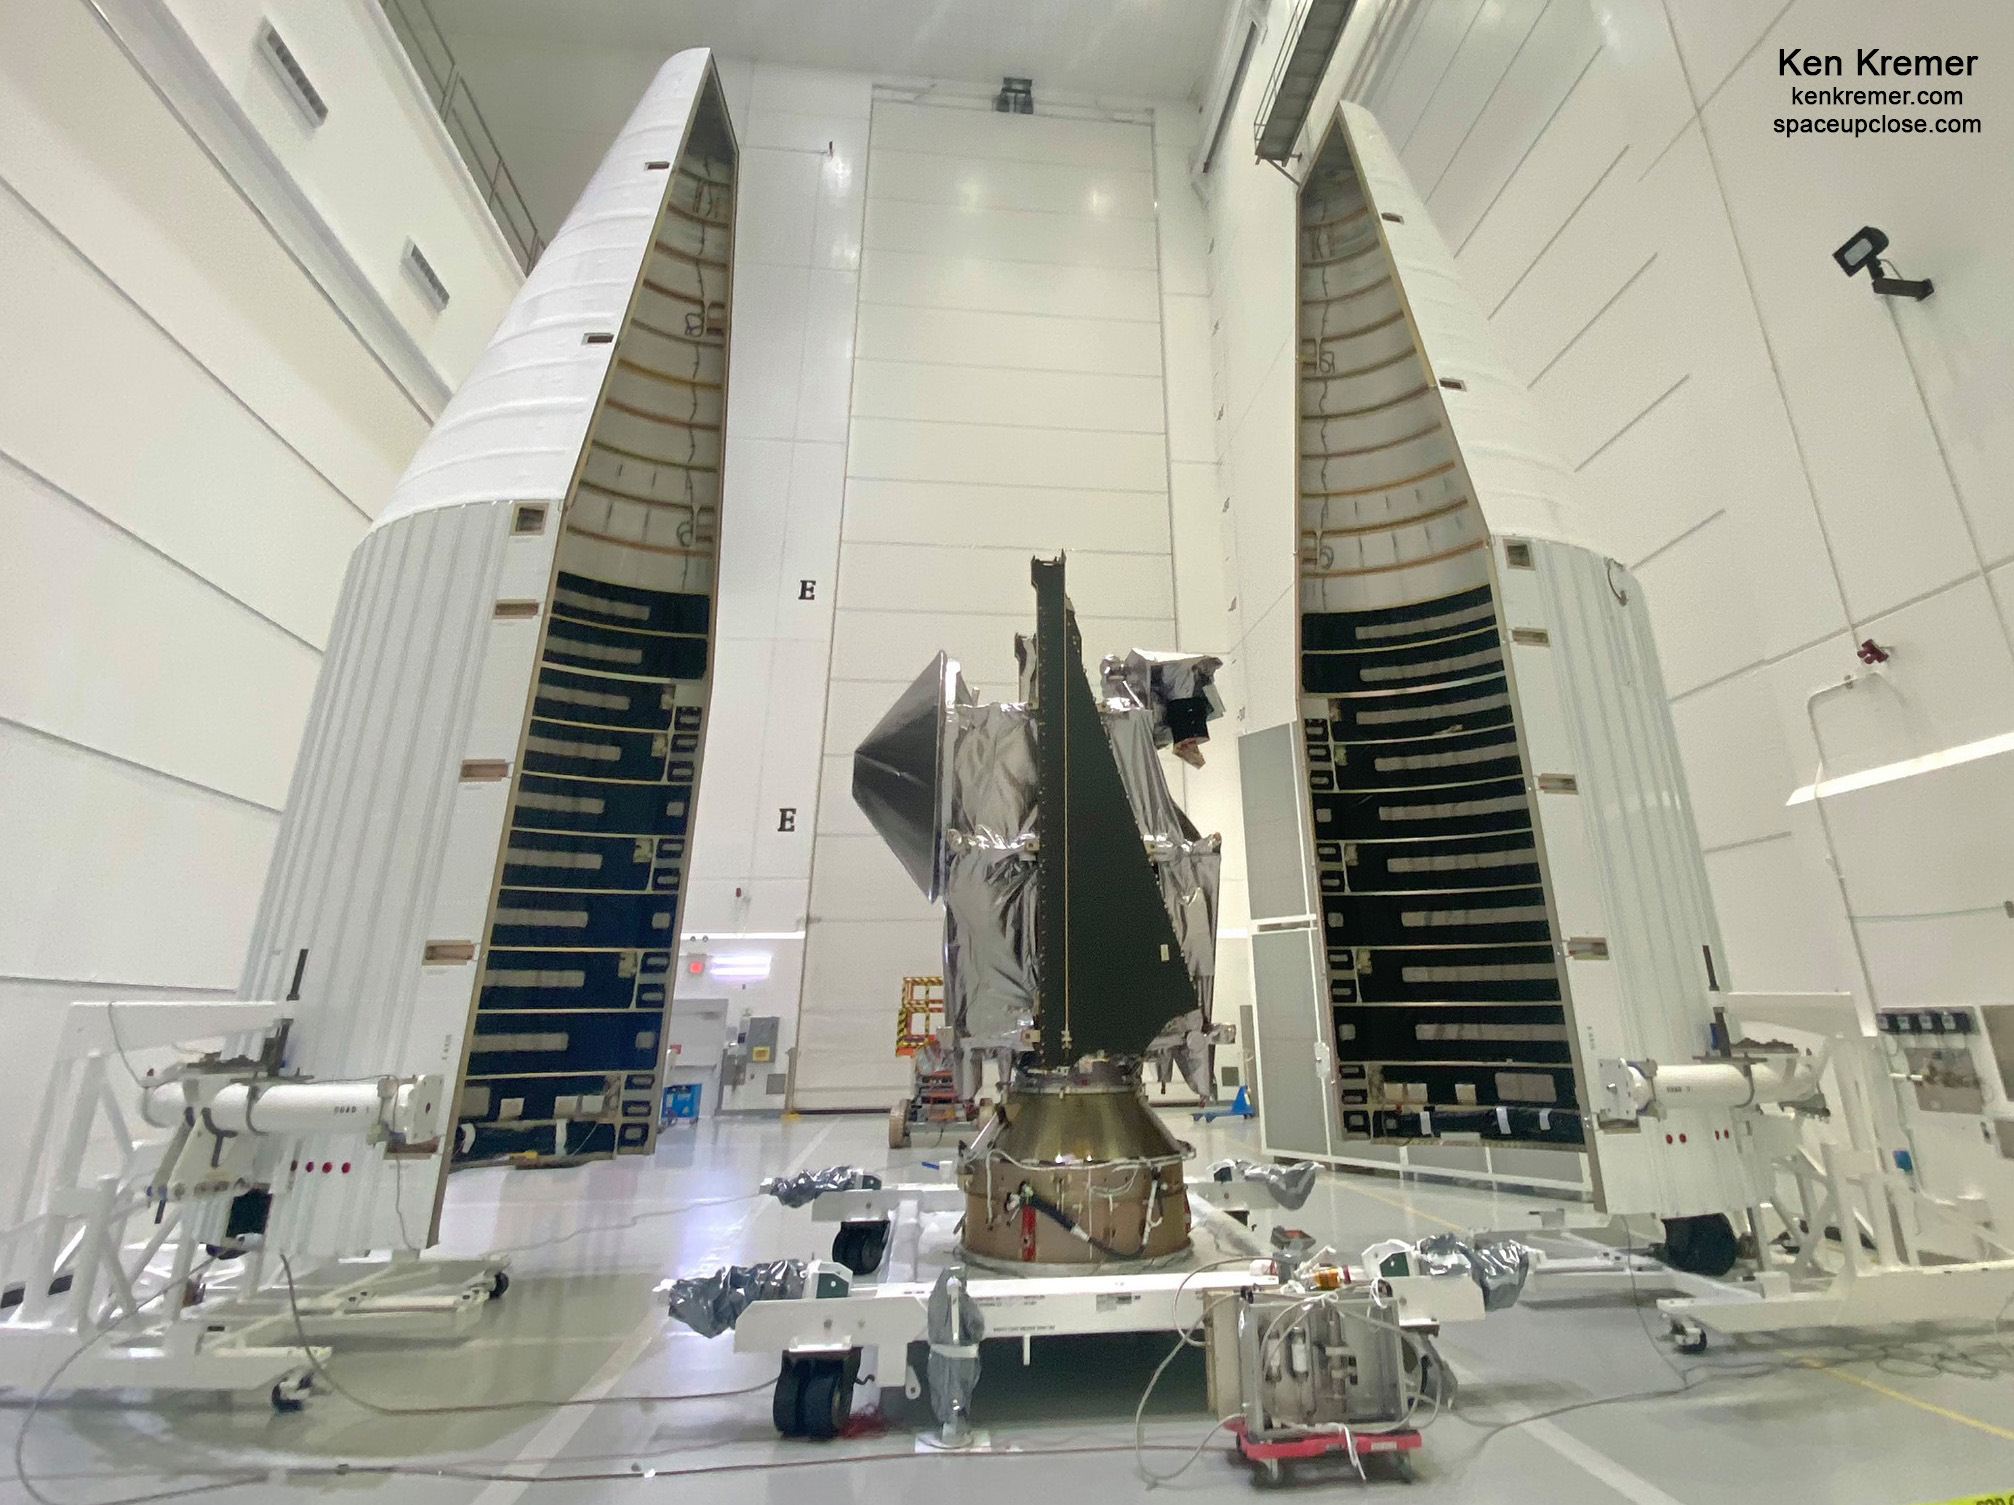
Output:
x=1074 y=1169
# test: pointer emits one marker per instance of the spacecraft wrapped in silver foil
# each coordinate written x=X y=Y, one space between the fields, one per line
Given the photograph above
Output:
x=1079 y=933
x=952 y=785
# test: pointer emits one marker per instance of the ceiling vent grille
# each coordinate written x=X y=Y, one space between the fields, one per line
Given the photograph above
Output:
x=294 y=81
x=423 y=273
x=1016 y=97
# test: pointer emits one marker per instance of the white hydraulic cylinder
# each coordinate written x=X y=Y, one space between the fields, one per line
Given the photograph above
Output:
x=410 y=1107
x=1724 y=1084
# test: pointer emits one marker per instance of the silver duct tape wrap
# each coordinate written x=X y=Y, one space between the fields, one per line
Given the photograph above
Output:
x=1498 y=1265
x=990 y=980
x=804 y=1188
x=955 y=1328
x=1290 y=1184
x=993 y=779
x=1177 y=689
x=710 y=1304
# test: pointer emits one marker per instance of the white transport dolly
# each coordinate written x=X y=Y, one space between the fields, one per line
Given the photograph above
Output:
x=826 y=1341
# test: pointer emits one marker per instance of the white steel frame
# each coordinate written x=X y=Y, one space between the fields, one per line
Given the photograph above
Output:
x=1856 y=1186
x=105 y=1272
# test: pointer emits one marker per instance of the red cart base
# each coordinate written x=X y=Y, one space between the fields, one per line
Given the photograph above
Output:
x=1273 y=1456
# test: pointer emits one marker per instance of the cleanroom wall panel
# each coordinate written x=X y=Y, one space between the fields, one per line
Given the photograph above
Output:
x=1008 y=399
x=192 y=440
x=1018 y=342
x=104 y=163
x=804 y=136
x=382 y=169
x=123 y=651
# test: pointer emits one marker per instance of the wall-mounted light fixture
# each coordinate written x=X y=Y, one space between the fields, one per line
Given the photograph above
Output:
x=1863 y=253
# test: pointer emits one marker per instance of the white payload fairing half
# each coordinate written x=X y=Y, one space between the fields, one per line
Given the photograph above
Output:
x=1475 y=876
x=480 y=869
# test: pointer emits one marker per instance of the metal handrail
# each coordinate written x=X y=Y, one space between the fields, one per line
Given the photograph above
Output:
x=427 y=45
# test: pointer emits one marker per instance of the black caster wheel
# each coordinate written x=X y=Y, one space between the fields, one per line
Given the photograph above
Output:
x=873 y=1247
x=814 y=1397
x=860 y=1246
x=827 y=1400
x=499 y=1283
x=1689 y=1336
x=287 y=1399
x=783 y=1405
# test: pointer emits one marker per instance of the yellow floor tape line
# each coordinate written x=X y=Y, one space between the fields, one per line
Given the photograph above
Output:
x=1356 y=1184
x=2006 y=1498
x=1922 y=1405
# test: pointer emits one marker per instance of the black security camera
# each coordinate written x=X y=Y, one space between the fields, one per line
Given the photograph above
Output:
x=1863 y=253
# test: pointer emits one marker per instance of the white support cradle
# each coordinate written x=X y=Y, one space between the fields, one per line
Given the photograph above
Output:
x=103 y=1272
x=1855 y=1181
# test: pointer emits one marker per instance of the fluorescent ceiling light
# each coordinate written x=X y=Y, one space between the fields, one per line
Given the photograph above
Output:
x=743 y=935
x=740 y=966
x=1908 y=768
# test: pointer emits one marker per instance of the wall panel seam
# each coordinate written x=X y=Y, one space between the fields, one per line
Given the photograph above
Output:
x=1038 y=428
x=1012 y=485
x=1532 y=146
x=154 y=549
x=1551 y=240
x=1673 y=542
x=1746 y=841
x=896 y=360
x=147 y=768
x=1008 y=313
x=197 y=361
x=960 y=259
x=222 y=991
x=1489 y=99
x=1761 y=324
x=1651 y=407
x=1593 y=320
x=1454 y=54
x=952 y=205
x=1699 y=105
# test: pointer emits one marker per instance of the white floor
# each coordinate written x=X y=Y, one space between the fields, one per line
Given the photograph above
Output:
x=1567 y=1398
